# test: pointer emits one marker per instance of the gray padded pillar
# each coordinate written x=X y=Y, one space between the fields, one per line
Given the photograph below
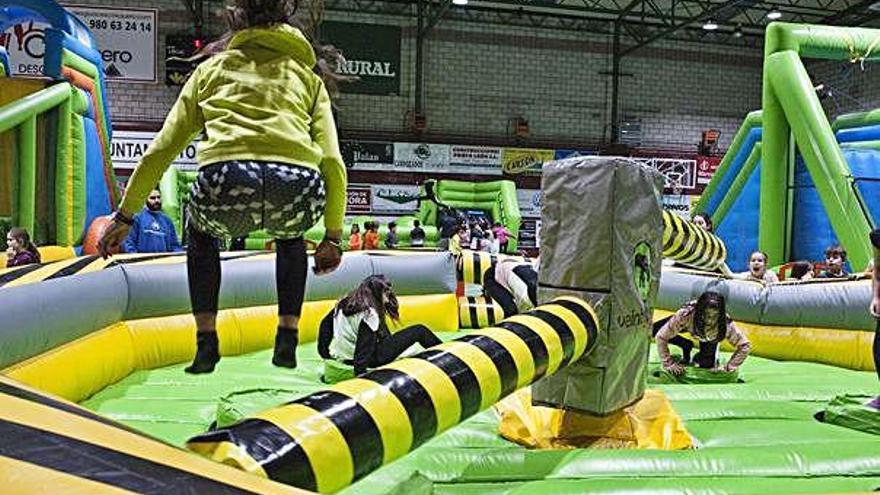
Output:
x=601 y=240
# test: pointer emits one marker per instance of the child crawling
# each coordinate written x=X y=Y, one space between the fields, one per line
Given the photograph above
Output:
x=355 y=332
x=707 y=321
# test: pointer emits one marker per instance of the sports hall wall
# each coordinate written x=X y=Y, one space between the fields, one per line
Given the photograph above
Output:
x=552 y=78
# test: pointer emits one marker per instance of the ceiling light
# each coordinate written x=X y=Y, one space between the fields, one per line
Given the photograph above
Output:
x=710 y=25
x=774 y=14
x=460 y=2
x=738 y=32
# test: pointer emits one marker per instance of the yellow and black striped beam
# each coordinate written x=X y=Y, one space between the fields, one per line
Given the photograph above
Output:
x=690 y=245
x=478 y=312
x=329 y=439
x=473 y=265
x=52 y=446
x=28 y=274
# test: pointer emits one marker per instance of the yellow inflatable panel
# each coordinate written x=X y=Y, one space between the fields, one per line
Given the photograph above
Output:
x=650 y=423
x=85 y=366
x=837 y=347
x=78 y=369
x=91 y=454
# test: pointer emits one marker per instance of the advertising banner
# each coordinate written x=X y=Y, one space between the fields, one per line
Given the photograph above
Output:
x=372 y=54
x=679 y=204
x=524 y=160
x=127 y=147
x=706 y=167
x=359 y=199
x=368 y=155
x=529 y=202
x=126 y=38
x=394 y=198
x=421 y=157
x=563 y=154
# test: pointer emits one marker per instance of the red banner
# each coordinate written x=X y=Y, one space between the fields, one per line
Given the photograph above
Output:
x=360 y=199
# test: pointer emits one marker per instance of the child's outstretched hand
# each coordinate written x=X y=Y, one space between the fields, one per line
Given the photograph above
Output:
x=675 y=369
x=112 y=237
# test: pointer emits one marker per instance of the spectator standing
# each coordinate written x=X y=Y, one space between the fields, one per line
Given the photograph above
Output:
x=417 y=235
x=502 y=235
x=355 y=240
x=152 y=230
x=371 y=236
x=391 y=240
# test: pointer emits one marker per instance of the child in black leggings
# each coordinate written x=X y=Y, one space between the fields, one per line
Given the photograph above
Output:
x=513 y=284
x=355 y=332
x=269 y=160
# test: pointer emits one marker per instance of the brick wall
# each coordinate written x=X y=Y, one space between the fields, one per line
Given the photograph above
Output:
x=478 y=77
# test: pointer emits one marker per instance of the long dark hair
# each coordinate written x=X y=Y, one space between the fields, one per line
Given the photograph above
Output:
x=369 y=294
x=21 y=235
x=710 y=299
x=243 y=14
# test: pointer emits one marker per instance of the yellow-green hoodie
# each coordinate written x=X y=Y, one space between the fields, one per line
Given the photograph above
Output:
x=257 y=100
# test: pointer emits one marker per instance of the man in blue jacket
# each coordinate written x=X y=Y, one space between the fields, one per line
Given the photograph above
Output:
x=152 y=230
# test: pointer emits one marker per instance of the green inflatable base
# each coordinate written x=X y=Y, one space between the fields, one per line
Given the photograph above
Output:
x=852 y=411
x=694 y=376
x=754 y=437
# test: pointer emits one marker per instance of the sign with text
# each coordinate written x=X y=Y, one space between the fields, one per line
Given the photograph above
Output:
x=529 y=202
x=421 y=157
x=126 y=39
x=359 y=199
x=127 y=147
x=679 y=204
x=524 y=160
x=706 y=168
x=394 y=198
x=372 y=53
x=367 y=155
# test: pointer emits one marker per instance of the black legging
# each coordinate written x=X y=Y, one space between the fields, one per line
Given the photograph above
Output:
x=705 y=358
x=203 y=271
x=390 y=348
x=503 y=296
x=499 y=294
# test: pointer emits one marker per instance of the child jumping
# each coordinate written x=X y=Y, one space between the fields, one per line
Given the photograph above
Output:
x=269 y=160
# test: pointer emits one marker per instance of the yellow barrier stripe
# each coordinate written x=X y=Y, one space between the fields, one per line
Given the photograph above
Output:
x=23 y=477
x=522 y=356
x=551 y=339
x=387 y=412
x=483 y=368
x=42 y=273
x=578 y=329
x=62 y=423
x=444 y=396
x=327 y=450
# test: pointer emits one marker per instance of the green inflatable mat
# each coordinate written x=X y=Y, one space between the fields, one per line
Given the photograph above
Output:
x=852 y=411
x=754 y=437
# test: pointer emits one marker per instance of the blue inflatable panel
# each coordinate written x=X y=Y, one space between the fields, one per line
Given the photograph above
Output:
x=736 y=165
x=867 y=133
x=739 y=228
x=4 y=61
x=811 y=230
x=97 y=195
x=865 y=167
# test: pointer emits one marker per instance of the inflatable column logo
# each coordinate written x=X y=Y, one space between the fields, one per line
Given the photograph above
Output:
x=601 y=234
x=328 y=439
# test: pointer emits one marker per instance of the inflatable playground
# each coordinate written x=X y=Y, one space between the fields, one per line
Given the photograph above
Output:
x=566 y=398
